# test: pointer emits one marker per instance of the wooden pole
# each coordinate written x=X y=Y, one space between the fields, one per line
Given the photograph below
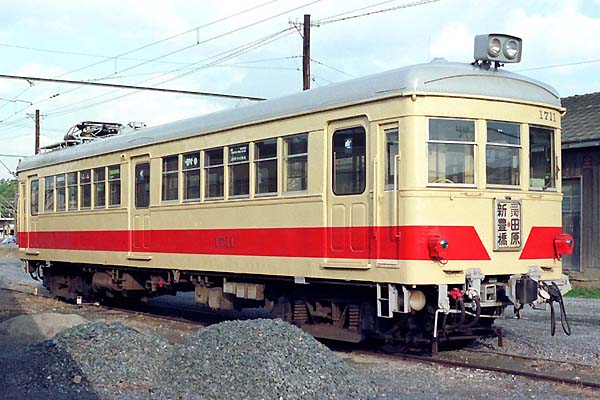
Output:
x=306 y=54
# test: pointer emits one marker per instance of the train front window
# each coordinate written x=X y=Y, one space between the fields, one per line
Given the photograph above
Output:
x=213 y=173
x=142 y=185
x=35 y=196
x=191 y=176
x=170 y=178
x=503 y=153
x=451 y=151
x=265 y=157
x=99 y=188
x=349 y=161
x=239 y=170
x=541 y=159
x=72 y=191
x=49 y=194
x=85 y=182
x=295 y=160
x=114 y=186
x=60 y=192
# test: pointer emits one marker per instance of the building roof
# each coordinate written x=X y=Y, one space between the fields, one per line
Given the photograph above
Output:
x=581 y=124
x=436 y=77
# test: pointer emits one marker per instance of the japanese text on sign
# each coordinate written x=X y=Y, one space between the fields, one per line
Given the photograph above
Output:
x=507 y=221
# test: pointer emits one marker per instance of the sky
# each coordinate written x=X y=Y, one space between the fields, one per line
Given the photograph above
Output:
x=252 y=48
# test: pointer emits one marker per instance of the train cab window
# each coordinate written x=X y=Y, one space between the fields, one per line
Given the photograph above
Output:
x=391 y=151
x=114 y=186
x=502 y=159
x=213 y=170
x=265 y=158
x=349 y=161
x=142 y=185
x=170 y=178
x=72 y=191
x=191 y=176
x=35 y=197
x=61 y=193
x=239 y=170
x=99 y=188
x=85 y=184
x=451 y=149
x=295 y=160
x=49 y=194
x=541 y=159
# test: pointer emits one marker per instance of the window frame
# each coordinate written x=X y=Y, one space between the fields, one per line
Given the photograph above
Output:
x=230 y=171
x=58 y=189
x=554 y=174
x=32 y=197
x=286 y=156
x=169 y=175
x=494 y=144
x=83 y=185
x=95 y=187
x=185 y=170
x=110 y=184
x=256 y=160
x=473 y=143
x=70 y=190
x=206 y=169
x=334 y=170
x=147 y=194
x=386 y=163
x=46 y=208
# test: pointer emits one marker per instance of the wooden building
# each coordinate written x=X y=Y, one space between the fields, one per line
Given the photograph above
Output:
x=581 y=181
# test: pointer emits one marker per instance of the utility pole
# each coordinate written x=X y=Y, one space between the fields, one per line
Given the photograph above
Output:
x=306 y=54
x=37 y=131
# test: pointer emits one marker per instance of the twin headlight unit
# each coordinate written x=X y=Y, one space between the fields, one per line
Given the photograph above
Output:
x=498 y=48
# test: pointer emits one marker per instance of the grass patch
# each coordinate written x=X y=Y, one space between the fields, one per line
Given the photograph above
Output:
x=584 y=293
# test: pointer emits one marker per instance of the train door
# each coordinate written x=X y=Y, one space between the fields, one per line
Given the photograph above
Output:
x=140 y=205
x=31 y=205
x=389 y=232
x=349 y=220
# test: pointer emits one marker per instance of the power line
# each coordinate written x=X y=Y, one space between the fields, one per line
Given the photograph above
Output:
x=559 y=65
x=355 y=10
x=12 y=155
x=408 y=5
x=332 y=68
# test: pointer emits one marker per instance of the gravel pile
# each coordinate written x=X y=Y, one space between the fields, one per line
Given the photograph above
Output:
x=256 y=359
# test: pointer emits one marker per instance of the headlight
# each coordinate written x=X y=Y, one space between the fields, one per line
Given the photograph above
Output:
x=511 y=48
x=494 y=48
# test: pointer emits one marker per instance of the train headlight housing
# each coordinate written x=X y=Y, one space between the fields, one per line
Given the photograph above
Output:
x=498 y=47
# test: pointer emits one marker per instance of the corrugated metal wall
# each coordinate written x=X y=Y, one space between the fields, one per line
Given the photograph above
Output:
x=585 y=162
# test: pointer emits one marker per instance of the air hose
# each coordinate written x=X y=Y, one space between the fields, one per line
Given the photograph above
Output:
x=555 y=296
x=460 y=304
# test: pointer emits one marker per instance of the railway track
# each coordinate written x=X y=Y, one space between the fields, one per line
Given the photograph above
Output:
x=580 y=375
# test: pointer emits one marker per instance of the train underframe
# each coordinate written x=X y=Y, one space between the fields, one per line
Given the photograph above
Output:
x=392 y=314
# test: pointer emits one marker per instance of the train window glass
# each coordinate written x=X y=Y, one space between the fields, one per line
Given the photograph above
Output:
x=451 y=151
x=114 y=186
x=61 y=192
x=391 y=151
x=213 y=169
x=85 y=184
x=170 y=178
x=541 y=158
x=239 y=170
x=142 y=185
x=295 y=159
x=265 y=158
x=35 y=197
x=502 y=153
x=191 y=176
x=72 y=191
x=349 y=161
x=49 y=193
x=99 y=188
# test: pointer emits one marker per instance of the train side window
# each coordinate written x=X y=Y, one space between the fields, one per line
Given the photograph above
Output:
x=265 y=158
x=295 y=161
x=114 y=186
x=99 y=188
x=35 y=197
x=238 y=164
x=72 y=191
x=191 y=176
x=391 y=151
x=451 y=151
x=85 y=183
x=61 y=192
x=541 y=159
x=502 y=159
x=213 y=170
x=49 y=193
x=349 y=161
x=142 y=185
x=170 y=178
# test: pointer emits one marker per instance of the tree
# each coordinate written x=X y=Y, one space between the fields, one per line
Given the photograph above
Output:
x=8 y=190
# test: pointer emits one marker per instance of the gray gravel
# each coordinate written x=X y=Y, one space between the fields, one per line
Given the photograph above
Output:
x=257 y=359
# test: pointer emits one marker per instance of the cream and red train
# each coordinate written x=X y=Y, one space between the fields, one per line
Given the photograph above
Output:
x=411 y=205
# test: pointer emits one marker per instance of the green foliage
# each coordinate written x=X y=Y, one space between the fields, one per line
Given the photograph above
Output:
x=8 y=189
x=584 y=293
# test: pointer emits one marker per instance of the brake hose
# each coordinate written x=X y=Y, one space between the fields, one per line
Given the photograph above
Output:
x=555 y=296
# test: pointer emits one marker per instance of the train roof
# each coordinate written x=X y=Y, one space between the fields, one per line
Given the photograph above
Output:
x=436 y=77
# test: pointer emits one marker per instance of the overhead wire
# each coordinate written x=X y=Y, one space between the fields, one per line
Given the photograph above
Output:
x=408 y=5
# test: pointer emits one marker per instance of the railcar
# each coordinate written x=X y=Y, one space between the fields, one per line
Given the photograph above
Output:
x=411 y=206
